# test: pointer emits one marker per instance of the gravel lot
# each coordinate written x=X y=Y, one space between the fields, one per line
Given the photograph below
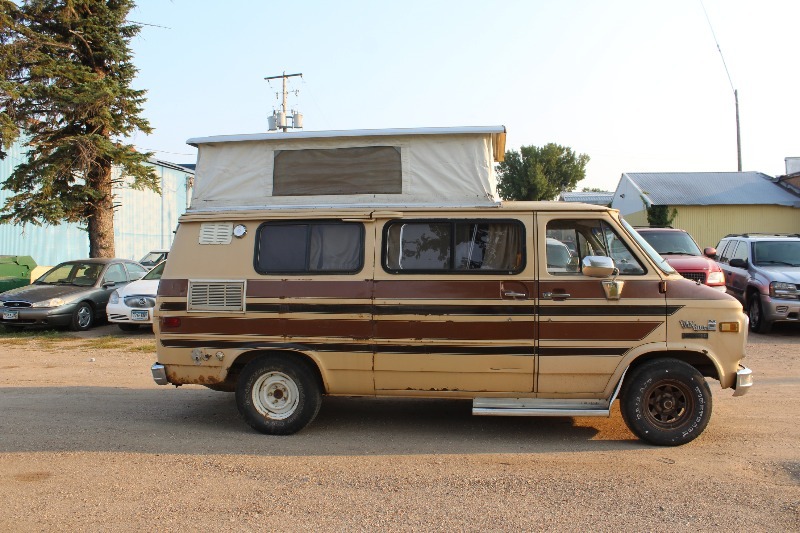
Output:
x=88 y=442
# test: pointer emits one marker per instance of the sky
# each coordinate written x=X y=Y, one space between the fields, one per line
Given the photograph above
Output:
x=637 y=85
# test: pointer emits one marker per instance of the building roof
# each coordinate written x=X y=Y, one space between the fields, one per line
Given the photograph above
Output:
x=712 y=188
x=587 y=197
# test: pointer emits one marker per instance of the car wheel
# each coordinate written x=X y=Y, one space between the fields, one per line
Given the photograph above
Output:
x=666 y=402
x=128 y=327
x=82 y=317
x=278 y=396
x=756 y=314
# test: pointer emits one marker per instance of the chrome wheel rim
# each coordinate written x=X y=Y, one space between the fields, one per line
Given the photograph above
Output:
x=84 y=317
x=275 y=395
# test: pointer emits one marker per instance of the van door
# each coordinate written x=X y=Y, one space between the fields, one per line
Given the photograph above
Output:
x=583 y=333
x=453 y=306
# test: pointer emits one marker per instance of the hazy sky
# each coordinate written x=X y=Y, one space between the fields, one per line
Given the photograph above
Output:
x=638 y=85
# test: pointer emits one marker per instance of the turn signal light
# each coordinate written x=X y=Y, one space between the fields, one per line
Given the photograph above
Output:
x=728 y=327
x=170 y=322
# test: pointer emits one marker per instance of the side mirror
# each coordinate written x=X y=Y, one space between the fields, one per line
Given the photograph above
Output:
x=710 y=252
x=738 y=263
x=598 y=266
x=109 y=284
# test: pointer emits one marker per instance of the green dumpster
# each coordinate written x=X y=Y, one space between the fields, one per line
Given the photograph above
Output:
x=15 y=271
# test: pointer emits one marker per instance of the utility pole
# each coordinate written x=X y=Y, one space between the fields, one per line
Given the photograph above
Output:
x=278 y=120
x=735 y=92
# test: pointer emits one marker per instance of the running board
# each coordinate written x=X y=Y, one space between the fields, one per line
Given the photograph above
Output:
x=539 y=407
x=545 y=406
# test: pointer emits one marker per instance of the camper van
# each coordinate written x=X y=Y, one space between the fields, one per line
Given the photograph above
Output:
x=381 y=263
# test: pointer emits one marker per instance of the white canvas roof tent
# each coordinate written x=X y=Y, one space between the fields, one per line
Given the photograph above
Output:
x=389 y=167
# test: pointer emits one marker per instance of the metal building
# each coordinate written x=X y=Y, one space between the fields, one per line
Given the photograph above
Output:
x=144 y=221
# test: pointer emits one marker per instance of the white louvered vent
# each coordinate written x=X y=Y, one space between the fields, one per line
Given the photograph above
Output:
x=216 y=296
x=216 y=232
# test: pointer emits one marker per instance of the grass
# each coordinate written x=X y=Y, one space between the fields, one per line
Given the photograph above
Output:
x=50 y=339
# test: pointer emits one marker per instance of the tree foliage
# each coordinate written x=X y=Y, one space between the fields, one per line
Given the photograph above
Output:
x=540 y=173
x=660 y=216
x=65 y=91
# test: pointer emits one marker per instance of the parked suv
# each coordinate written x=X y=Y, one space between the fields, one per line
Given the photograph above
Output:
x=763 y=272
x=682 y=253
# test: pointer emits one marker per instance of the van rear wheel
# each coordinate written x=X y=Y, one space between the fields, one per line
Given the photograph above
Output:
x=277 y=396
x=666 y=402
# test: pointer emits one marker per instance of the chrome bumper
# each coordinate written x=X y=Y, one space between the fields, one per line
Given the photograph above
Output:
x=744 y=381
x=160 y=374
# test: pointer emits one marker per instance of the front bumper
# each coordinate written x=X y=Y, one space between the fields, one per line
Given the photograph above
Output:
x=776 y=310
x=40 y=316
x=159 y=374
x=744 y=381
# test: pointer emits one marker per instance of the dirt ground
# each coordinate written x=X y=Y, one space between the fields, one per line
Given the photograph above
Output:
x=88 y=442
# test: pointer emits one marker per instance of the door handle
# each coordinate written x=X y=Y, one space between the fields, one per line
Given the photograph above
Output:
x=513 y=294
x=554 y=295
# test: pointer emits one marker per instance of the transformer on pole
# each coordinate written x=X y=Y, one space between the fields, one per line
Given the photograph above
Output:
x=279 y=118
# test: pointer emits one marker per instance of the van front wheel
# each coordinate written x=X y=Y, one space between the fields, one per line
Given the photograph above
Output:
x=277 y=396
x=666 y=402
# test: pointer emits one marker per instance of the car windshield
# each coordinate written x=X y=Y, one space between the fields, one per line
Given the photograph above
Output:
x=657 y=259
x=785 y=253
x=156 y=272
x=83 y=274
x=152 y=259
x=671 y=242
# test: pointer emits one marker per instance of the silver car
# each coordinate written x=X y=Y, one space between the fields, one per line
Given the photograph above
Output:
x=763 y=272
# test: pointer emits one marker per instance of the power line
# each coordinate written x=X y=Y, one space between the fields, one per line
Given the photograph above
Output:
x=735 y=92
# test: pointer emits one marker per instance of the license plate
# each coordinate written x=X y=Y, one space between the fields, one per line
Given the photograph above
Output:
x=11 y=315
x=139 y=314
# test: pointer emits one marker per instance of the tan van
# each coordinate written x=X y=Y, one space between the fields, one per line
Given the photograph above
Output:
x=379 y=263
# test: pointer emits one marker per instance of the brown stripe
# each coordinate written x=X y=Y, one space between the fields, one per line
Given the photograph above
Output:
x=689 y=290
x=357 y=290
x=592 y=288
x=352 y=329
x=400 y=329
x=596 y=331
x=442 y=289
x=356 y=329
x=178 y=288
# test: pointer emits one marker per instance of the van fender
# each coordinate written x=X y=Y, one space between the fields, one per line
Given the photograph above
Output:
x=244 y=354
x=664 y=349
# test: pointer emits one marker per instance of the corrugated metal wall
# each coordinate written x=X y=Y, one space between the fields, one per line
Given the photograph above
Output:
x=144 y=221
x=708 y=224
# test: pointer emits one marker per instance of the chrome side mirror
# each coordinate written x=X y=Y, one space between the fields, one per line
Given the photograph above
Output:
x=598 y=266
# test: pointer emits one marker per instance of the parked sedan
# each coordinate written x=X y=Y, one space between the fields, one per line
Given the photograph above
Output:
x=74 y=294
x=132 y=305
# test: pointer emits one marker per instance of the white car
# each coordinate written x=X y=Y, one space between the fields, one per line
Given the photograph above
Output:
x=132 y=305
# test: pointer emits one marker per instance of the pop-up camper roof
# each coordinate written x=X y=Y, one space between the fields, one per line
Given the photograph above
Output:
x=392 y=167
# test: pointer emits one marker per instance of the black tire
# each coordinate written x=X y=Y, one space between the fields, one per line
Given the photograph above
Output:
x=128 y=327
x=82 y=317
x=666 y=402
x=756 y=314
x=277 y=395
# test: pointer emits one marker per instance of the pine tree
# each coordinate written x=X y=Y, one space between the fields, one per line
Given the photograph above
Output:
x=65 y=90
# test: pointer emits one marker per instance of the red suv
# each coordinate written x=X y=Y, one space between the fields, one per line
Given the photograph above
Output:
x=683 y=254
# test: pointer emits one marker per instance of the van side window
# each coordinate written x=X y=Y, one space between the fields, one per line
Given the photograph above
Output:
x=453 y=246
x=314 y=246
x=581 y=238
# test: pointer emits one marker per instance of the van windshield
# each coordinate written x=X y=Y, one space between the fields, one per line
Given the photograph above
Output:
x=657 y=259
